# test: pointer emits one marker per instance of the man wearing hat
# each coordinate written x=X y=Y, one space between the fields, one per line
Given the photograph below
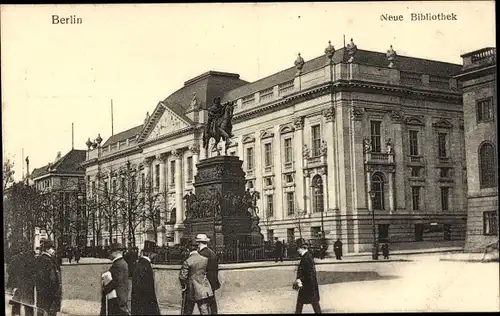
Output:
x=194 y=282
x=144 y=301
x=48 y=280
x=115 y=287
x=212 y=268
x=306 y=282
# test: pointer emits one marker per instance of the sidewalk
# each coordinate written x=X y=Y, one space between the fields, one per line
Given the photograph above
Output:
x=471 y=257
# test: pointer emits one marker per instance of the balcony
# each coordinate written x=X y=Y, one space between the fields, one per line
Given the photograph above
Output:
x=444 y=160
x=379 y=158
x=286 y=87
x=416 y=159
x=480 y=58
x=250 y=173
x=314 y=160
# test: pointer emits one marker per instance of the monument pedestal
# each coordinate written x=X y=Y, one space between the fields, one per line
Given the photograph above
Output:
x=219 y=209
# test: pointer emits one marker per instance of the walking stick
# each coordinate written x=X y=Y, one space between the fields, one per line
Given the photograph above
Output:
x=183 y=302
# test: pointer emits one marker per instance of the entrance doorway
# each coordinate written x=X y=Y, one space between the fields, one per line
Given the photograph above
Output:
x=383 y=232
x=419 y=232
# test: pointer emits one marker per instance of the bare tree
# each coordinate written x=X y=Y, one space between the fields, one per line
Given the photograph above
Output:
x=151 y=211
x=8 y=174
x=298 y=215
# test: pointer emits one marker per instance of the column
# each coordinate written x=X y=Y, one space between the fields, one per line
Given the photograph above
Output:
x=399 y=150
x=195 y=150
x=299 y=161
x=258 y=170
x=279 y=211
x=329 y=181
x=179 y=214
x=369 y=188
x=241 y=151
x=162 y=158
x=307 y=190
x=324 y=176
x=390 y=188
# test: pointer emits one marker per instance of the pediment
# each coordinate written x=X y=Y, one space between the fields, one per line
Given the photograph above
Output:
x=248 y=139
x=266 y=134
x=442 y=123
x=414 y=121
x=286 y=129
x=162 y=122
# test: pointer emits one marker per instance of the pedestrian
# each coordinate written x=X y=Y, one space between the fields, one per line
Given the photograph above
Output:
x=194 y=283
x=144 y=301
x=385 y=251
x=306 y=282
x=48 y=280
x=212 y=268
x=77 y=255
x=278 y=250
x=337 y=249
x=70 y=254
x=115 y=287
x=285 y=249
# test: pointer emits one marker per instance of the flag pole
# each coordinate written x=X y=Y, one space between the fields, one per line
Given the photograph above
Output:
x=112 y=131
x=72 y=135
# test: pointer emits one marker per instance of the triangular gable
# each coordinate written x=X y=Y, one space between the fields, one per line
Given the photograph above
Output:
x=163 y=121
x=414 y=121
x=442 y=123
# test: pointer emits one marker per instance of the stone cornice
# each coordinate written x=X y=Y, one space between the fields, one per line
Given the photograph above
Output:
x=182 y=132
x=129 y=151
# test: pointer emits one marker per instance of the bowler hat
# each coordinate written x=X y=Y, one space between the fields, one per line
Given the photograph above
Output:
x=149 y=246
x=116 y=247
x=202 y=238
x=46 y=245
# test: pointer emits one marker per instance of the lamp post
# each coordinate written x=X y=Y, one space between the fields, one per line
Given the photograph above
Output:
x=78 y=217
x=375 y=243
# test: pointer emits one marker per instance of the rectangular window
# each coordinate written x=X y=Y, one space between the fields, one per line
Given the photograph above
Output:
x=316 y=140
x=414 y=143
x=270 y=205
x=250 y=158
x=376 y=137
x=484 y=110
x=290 y=235
x=288 y=178
x=445 y=199
x=442 y=145
x=172 y=172
x=268 y=181
x=113 y=186
x=290 y=203
x=415 y=171
x=268 y=155
x=288 y=150
x=415 y=198
x=490 y=223
x=444 y=172
x=270 y=235
x=190 y=168
x=143 y=182
x=157 y=176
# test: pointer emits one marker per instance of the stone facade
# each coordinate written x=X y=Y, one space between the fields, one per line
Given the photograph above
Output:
x=478 y=79
x=301 y=136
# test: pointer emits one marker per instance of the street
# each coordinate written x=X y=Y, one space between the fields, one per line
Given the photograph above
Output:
x=425 y=284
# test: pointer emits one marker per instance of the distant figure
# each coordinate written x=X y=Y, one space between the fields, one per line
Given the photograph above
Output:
x=70 y=254
x=278 y=250
x=144 y=301
x=78 y=255
x=285 y=249
x=48 y=280
x=115 y=287
x=337 y=249
x=385 y=251
x=212 y=269
x=194 y=283
x=306 y=282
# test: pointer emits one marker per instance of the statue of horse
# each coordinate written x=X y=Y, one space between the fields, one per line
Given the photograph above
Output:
x=255 y=197
x=223 y=130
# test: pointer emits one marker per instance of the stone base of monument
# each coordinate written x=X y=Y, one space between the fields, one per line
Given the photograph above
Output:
x=218 y=208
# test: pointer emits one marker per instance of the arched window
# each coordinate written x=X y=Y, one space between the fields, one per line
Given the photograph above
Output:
x=317 y=184
x=378 y=188
x=487 y=166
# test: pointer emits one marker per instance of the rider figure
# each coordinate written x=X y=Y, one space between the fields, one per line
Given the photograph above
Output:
x=215 y=112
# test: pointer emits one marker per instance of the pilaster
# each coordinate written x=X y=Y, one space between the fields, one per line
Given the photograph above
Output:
x=298 y=157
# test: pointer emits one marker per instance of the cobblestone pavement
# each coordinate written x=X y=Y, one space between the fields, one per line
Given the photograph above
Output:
x=425 y=284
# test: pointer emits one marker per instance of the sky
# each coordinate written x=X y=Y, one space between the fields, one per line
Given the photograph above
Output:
x=54 y=75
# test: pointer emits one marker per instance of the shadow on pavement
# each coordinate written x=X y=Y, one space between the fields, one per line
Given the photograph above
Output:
x=332 y=277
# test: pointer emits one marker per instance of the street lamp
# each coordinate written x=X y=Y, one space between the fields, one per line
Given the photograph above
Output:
x=375 y=243
x=78 y=217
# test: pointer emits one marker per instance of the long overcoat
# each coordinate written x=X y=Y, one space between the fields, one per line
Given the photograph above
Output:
x=119 y=283
x=48 y=283
x=212 y=268
x=143 y=300
x=306 y=272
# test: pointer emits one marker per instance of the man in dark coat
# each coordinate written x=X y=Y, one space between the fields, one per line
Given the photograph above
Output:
x=144 y=301
x=115 y=292
x=48 y=280
x=212 y=268
x=337 y=248
x=385 y=251
x=278 y=250
x=306 y=282
x=78 y=254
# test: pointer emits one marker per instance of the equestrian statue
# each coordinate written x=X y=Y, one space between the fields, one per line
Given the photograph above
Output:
x=219 y=125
